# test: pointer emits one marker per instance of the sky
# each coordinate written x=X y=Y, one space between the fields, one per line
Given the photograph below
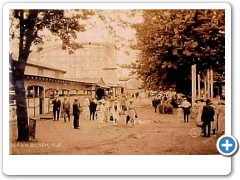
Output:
x=105 y=26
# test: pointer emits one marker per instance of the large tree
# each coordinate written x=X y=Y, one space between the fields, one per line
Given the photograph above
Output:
x=171 y=41
x=26 y=31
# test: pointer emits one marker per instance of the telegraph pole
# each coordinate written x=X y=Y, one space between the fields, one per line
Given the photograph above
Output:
x=193 y=83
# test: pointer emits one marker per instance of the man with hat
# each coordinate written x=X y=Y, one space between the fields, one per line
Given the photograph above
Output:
x=186 y=109
x=207 y=117
x=76 y=113
x=56 y=108
x=92 y=108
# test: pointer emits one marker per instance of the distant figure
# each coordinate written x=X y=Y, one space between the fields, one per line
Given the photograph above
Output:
x=76 y=113
x=155 y=103
x=132 y=111
x=115 y=111
x=86 y=105
x=214 y=124
x=56 y=108
x=100 y=114
x=186 y=109
x=66 y=109
x=207 y=117
x=123 y=105
x=180 y=113
x=92 y=108
x=105 y=111
x=107 y=108
x=137 y=94
x=221 y=118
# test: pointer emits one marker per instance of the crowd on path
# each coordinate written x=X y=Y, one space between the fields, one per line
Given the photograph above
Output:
x=210 y=116
x=102 y=111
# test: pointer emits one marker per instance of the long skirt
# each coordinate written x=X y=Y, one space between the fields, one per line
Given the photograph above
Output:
x=86 y=112
x=100 y=116
x=221 y=122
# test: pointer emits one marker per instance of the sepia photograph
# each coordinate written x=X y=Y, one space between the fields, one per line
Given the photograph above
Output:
x=116 y=81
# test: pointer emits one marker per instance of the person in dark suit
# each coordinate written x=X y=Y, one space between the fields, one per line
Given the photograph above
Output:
x=207 y=117
x=92 y=108
x=76 y=113
x=56 y=108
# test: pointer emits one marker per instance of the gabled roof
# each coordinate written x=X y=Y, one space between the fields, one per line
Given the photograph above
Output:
x=93 y=80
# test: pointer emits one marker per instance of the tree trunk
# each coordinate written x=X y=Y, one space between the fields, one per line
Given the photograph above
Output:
x=22 y=115
x=18 y=80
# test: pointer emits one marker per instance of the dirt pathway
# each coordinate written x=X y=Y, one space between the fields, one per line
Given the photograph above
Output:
x=154 y=134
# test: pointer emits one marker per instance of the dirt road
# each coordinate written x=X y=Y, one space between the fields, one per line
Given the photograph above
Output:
x=154 y=134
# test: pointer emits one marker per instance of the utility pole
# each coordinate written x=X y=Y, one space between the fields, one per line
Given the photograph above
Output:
x=193 y=83
x=208 y=84
x=199 y=88
x=211 y=81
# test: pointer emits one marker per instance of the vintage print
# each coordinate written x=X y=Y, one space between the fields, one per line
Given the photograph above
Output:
x=116 y=81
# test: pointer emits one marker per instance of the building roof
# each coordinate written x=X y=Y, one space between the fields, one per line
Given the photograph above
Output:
x=116 y=85
x=42 y=65
x=45 y=66
x=93 y=80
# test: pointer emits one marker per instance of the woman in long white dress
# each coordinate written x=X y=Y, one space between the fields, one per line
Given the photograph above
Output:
x=132 y=111
x=221 y=118
x=86 y=111
x=215 y=122
x=100 y=114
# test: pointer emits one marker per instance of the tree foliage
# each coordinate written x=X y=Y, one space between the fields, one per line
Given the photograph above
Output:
x=26 y=31
x=118 y=24
x=171 y=41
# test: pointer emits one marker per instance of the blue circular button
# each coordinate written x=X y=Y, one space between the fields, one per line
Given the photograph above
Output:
x=227 y=145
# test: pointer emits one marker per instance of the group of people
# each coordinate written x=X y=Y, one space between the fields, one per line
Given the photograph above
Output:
x=207 y=115
x=110 y=111
x=103 y=110
x=168 y=99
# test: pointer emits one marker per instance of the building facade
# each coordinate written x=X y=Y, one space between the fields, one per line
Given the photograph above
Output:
x=92 y=60
x=90 y=71
x=43 y=82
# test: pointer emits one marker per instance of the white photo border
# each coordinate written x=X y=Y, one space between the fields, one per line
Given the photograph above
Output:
x=136 y=164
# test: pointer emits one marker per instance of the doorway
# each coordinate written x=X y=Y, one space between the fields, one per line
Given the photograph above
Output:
x=99 y=93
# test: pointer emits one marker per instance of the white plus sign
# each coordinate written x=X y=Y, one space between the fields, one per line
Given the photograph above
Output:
x=227 y=145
